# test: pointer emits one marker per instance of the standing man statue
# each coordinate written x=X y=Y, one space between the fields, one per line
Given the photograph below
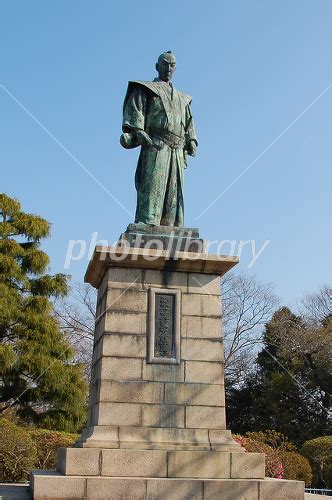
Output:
x=158 y=118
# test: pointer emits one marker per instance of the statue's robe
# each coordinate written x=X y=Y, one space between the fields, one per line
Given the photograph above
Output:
x=158 y=109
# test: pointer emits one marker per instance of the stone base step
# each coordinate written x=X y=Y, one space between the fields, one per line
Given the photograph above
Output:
x=157 y=438
x=15 y=491
x=50 y=485
x=160 y=463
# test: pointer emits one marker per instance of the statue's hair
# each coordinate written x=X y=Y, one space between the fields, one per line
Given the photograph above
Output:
x=164 y=53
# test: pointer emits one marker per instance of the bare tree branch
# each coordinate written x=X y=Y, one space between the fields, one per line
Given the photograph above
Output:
x=317 y=306
x=246 y=306
x=76 y=314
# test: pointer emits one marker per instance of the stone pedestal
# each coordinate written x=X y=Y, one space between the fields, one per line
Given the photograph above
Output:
x=173 y=239
x=156 y=424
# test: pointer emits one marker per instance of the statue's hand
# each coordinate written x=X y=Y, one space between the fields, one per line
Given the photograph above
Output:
x=143 y=138
x=192 y=148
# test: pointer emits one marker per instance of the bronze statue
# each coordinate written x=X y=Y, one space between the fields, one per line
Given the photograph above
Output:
x=158 y=118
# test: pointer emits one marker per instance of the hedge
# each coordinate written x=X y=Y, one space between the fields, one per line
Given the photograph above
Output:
x=276 y=440
x=47 y=443
x=279 y=461
x=23 y=449
x=18 y=452
x=296 y=467
x=319 y=453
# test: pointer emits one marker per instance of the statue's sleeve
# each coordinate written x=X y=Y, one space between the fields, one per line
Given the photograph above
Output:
x=190 y=127
x=134 y=110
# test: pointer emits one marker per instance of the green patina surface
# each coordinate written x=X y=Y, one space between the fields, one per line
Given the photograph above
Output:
x=158 y=118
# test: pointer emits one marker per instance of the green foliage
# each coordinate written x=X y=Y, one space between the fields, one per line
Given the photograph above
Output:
x=47 y=443
x=276 y=440
x=296 y=467
x=23 y=449
x=7 y=356
x=37 y=373
x=18 y=452
x=319 y=453
x=290 y=389
x=281 y=459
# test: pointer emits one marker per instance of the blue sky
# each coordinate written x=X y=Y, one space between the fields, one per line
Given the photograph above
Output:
x=253 y=69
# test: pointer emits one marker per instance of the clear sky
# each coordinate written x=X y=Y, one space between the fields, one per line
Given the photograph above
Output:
x=261 y=78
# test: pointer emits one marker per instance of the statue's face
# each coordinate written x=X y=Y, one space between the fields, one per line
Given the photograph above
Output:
x=166 y=67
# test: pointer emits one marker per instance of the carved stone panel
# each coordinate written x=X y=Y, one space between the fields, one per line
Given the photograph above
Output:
x=164 y=326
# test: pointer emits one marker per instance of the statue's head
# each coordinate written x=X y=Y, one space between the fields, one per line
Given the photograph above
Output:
x=166 y=66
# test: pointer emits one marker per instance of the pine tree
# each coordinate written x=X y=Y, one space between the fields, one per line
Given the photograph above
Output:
x=289 y=391
x=39 y=381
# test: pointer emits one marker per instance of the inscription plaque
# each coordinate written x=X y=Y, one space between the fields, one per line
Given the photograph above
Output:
x=164 y=345
x=164 y=326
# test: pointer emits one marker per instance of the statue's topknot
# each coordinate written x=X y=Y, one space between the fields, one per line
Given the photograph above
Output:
x=162 y=56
